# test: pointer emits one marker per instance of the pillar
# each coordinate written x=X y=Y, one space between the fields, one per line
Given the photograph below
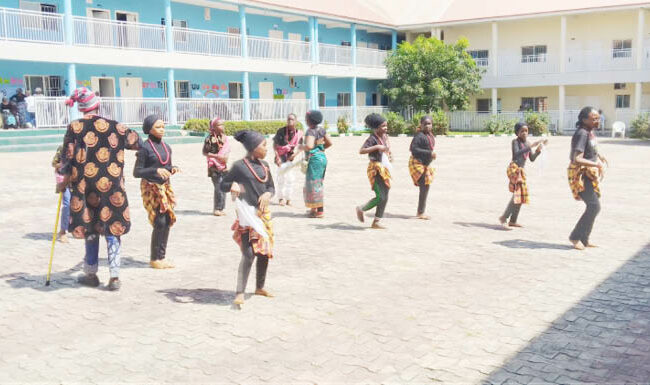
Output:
x=495 y=102
x=639 y=38
x=393 y=40
x=353 y=102
x=242 y=33
x=353 y=43
x=247 y=97
x=313 y=84
x=563 y=44
x=561 y=108
x=72 y=84
x=171 y=96
x=316 y=39
x=68 y=22
x=637 y=97
x=169 y=32
x=313 y=44
x=495 y=49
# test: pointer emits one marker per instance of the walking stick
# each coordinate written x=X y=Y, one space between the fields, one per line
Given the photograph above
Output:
x=56 y=224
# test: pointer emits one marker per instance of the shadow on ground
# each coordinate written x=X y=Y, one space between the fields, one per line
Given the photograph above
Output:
x=626 y=142
x=192 y=212
x=525 y=244
x=604 y=338
x=488 y=226
x=340 y=226
x=200 y=296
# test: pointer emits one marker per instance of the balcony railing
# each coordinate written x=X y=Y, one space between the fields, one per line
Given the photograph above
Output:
x=206 y=42
x=600 y=60
x=335 y=54
x=269 y=109
x=23 y=25
x=278 y=49
x=332 y=114
x=227 y=109
x=50 y=112
x=509 y=65
x=133 y=110
x=368 y=57
x=118 y=34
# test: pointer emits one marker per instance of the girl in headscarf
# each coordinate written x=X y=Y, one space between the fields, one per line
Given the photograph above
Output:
x=378 y=150
x=585 y=172
x=251 y=184
x=422 y=155
x=154 y=166
x=521 y=151
x=216 y=149
x=316 y=141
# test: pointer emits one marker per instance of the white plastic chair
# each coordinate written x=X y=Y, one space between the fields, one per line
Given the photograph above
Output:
x=618 y=128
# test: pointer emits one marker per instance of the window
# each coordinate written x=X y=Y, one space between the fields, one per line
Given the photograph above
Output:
x=539 y=104
x=55 y=86
x=180 y=36
x=533 y=54
x=343 y=99
x=321 y=99
x=50 y=85
x=30 y=21
x=622 y=48
x=481 y=57
x=620 y=86
x=235 y=90
x=485 y=105
x=622 y=101
x=346 y=43
x=182 y=88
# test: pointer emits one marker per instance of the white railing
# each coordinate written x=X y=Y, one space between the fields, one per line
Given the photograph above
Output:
x=332 y=114
x=118 y=34
x=269 y=109
x=206 y=42
x=227 y=109
x=132 y=111
x=599 y=60
x=368 y=57
x=510 y=65
x=476 y=120
x=335 y=54
x=50 y=112
x=278 y=49
x=363 y=111
x=31 y=26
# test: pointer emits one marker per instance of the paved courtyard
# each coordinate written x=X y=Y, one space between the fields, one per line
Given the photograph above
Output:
x=454 y=300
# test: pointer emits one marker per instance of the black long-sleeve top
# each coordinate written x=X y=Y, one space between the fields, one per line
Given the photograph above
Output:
x=148 y=163
x=520 y=150
x=240 y=173
x=422 y=146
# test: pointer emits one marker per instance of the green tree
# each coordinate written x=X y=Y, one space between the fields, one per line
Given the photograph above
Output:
x=430 y=75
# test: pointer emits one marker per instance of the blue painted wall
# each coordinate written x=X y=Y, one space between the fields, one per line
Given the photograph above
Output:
x=332 y=86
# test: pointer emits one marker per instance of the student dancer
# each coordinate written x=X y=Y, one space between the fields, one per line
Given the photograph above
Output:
x=216 y=149
x=92 y=165
x=65 y=199
x=378 y=150
x=285 y=142
x=316 y=141
x=422 y=155
x=250 y=181
x=584 y=172
x=154 y=166
x=521 y=151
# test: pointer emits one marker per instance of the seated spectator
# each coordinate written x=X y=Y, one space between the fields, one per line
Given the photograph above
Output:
x=31 y=109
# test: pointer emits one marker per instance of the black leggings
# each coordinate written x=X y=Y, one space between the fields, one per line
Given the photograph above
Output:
x=159 y=236
x=424 y=192
x=247 y=262
x=584 y=226
x=219 y=201
x=380 y=199
x=512 y=211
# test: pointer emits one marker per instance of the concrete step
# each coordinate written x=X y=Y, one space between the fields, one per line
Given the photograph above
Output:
x=52 y=146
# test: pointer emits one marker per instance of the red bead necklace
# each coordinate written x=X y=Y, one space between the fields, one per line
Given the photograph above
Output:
x=266 y=172
x=431 y=140
x=157 y=154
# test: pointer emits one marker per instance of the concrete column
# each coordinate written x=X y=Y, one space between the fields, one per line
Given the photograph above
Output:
x=247 y=96
x=242 y=32
x=313 y=92
x=640 y=26
x=494 y=60
x=313 y=44
x=171 y=96
x=169 y=32
x=563 y=44
x=353 y=43
x=68 y=22
x=316 y=39
x=561 y=108
x=72 y=84
x=637 y=97
x=316 y=106
x=393 y=40
x=495 y=102
x=353 y=101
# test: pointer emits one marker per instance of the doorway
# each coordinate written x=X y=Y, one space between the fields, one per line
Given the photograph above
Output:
x=104 y=85
x=131 y=87
x=266 y=90
x=127 y=30
x=99 y=28
x=235 y=90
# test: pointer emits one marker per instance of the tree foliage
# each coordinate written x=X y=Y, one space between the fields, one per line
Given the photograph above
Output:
x=430 y=75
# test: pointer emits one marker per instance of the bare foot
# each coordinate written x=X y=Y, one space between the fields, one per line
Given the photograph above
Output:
x=423 y=216
x=63 y=238
x=502 y=220
x=167 y=264
x=157 y=264
x=263 y=293
x=590 y=245
x=360 y=214
x=376 y=225
x=578 y=245
x=239 y=299
x=512 y=224
x=217 y=213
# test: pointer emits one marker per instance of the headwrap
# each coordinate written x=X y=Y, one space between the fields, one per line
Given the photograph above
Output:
x=314 y=116
x=374 y=120
x=85 y=98
x=214 y=123
x=148 y=123
x=250 y=139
